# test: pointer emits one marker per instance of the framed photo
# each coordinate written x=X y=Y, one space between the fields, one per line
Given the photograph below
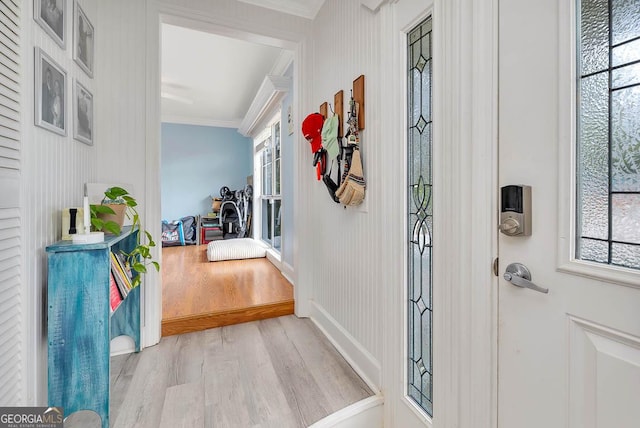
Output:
x=50 y=89
x=82 y=114
x=51 y=16
x=83 y=37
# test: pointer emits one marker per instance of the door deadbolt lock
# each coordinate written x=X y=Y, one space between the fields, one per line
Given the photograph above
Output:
x=515 y=210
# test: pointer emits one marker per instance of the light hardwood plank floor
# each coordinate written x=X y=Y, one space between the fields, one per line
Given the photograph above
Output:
x=279 y=372
x=198 y=294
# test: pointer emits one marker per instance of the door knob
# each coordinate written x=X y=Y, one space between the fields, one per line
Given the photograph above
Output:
x=518 y=275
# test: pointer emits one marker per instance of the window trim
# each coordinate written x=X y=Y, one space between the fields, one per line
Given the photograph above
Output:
x=407 y=382
x=567 y=162
x=268 y=133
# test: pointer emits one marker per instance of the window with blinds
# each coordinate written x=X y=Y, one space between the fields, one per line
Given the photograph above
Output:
x=11 y=333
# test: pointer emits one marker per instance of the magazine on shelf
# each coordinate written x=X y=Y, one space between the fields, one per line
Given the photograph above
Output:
x=114 y=293
x=124 y=265
x=120 y=277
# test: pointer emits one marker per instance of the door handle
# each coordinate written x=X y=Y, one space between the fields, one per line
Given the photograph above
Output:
x=518 y=275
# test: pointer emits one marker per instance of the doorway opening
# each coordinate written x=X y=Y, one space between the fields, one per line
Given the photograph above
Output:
x=207 y=144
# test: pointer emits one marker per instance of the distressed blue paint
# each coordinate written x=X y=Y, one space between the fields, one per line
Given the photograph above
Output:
x=80 y=326
x=125 y=321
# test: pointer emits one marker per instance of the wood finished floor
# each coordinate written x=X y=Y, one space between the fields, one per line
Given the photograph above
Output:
x=198 y=294
x=279 y=372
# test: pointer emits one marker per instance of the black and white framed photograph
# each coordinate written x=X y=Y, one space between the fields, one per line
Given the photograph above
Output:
x=83 y=37
x=51 y=16
x=50 y=89
x=82 y=114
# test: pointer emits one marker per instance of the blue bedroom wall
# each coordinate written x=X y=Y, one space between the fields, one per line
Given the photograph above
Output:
x=196 y=162
x=287 y=176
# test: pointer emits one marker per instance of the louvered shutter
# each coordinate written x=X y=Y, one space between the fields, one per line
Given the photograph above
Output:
x=11 y=320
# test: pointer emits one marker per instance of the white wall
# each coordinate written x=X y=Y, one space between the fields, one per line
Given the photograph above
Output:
x=352 y=260
x=55 y=169
x=348 y=256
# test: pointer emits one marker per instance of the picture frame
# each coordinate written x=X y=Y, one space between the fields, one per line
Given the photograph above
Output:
x=50 y=94
x=83 y=40
x=82 y=114
x=51 y=16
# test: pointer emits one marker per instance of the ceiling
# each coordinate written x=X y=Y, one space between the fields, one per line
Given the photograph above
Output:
x=210 y=79
x=304 y=8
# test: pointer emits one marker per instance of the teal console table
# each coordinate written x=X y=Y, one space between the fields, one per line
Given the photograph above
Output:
x=81 y=325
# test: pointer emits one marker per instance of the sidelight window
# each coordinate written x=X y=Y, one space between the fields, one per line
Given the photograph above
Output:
x=608 y=132
x=420 y=217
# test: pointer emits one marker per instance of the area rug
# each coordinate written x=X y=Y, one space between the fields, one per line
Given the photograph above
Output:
x=235 y=249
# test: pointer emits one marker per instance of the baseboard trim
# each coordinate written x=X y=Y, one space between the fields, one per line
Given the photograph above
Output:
x=274 y=258
x=367 y=367
x=288 y=272
x=364 y=413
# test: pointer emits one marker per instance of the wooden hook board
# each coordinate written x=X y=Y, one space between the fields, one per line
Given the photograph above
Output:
x=358 y=97
x=338 y=100
x=324 y=109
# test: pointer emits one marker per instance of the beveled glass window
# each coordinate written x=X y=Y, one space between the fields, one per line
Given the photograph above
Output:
x=420 y=221
x=608 y=132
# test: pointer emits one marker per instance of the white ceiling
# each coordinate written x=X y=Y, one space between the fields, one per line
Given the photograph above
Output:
x=210 y=79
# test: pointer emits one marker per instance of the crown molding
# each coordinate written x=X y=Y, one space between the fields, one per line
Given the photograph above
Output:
x=284 y=60
x=201 y=121
x=374 y=5
x=266 y=101
x=304 y=9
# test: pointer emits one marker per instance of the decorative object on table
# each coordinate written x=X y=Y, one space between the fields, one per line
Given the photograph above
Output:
x=51 y=16
x=83 y=40
x=50 y=89
x=82 y=114
x=88 y=237
x=72 y=222
x=109 y=215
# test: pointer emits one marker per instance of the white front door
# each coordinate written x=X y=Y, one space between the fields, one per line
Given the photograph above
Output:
x=571 y=357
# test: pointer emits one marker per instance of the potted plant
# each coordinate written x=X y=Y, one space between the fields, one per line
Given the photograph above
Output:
x=109 y=217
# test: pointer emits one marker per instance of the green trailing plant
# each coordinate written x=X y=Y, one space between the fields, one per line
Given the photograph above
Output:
x=140 y=257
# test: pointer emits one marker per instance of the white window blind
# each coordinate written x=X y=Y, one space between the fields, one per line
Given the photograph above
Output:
x=11 y=320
